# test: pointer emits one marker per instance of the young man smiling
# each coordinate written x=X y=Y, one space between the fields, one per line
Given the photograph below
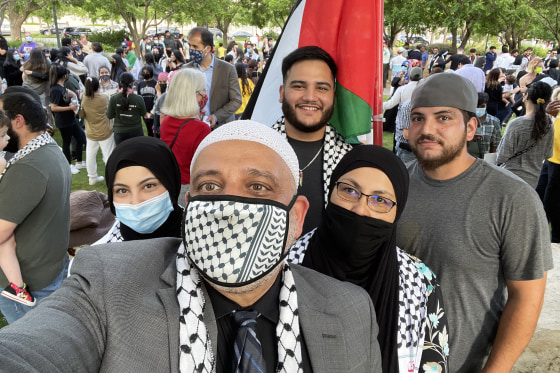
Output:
x=307 y=97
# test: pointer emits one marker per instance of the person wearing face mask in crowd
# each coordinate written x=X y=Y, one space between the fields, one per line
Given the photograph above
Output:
x=26 y=48
x=143 y=184
x=222 y=85
x=356 y=242
x=106 y=85
x=150 y=61
x=181 y=127
x=488 y=131
x=12 y=66
x=64 y=110
x=161 y=92
x=179 y=306
x=147 y=89
x=157 y=48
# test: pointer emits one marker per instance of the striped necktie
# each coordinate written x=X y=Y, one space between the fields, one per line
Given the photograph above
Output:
x=248 y=357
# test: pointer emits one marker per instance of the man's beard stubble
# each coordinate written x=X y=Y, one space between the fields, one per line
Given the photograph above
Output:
x=447 y=155
x=291 y=117
x=13 y=144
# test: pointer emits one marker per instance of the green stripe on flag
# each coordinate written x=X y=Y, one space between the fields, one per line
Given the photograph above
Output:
x=352 y=115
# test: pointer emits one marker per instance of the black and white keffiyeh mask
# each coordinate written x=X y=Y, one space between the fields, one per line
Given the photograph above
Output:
x=234 y=241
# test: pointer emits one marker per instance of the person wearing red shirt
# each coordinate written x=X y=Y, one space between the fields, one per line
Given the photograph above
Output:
x=181 y=127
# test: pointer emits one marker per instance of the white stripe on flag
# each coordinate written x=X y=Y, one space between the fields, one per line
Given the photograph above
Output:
x=267 y=108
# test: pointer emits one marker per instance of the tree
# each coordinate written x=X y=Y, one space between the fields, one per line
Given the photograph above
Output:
x=138 y=15
x=548 y=13
x=262 y=12
x=218 y=12
x=402 y=15
x=455 y=15
x=512 y=18
x=18 y=11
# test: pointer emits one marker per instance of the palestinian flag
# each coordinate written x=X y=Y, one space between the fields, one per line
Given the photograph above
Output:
x=348 y=30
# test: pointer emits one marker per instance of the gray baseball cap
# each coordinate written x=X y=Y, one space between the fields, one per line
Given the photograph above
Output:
x=446 y=89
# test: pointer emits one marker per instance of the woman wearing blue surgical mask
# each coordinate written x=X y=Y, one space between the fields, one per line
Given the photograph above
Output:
x=12 y=66
x=143 y=184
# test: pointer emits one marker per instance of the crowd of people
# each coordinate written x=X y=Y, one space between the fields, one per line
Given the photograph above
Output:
x=227 y=245
x=509 y=85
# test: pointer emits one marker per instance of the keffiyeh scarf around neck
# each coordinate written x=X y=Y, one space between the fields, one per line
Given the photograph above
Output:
x=195 y=345
x=36 y=143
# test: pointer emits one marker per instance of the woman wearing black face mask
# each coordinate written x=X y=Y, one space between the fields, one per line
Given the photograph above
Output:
x=147 y=89
x=356 y=242
x=151 y=61
x=105 y=82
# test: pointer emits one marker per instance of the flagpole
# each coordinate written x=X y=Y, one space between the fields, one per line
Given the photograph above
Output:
x=378 y=76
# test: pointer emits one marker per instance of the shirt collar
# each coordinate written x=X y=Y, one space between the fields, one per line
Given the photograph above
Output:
x=267 y=306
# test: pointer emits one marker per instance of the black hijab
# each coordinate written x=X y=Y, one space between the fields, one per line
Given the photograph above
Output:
x=362 y=250
x=156 y=156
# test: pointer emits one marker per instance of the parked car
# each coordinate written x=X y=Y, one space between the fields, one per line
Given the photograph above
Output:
x=161 y=30
x=449 y=39
x=77 y=31
x=216 y=31
x=414 y=39
x=6 y=31
x=52 y=30
x=242 y=34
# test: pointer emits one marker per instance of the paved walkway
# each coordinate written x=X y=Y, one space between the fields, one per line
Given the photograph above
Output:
x=543 y=353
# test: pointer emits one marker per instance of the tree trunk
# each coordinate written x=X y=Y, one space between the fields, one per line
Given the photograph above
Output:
x=16 y=20
x=454 y=36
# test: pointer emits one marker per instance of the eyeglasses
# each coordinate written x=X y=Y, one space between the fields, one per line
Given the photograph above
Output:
x=377 y=203
x=201 y=92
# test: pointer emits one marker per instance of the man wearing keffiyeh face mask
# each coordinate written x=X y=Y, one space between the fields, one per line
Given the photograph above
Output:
x=173 y=304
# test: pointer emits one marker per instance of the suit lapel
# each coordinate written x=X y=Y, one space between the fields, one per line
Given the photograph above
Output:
x=210 y=321
x=322 y=333
x=168 y=297
x=215 y=78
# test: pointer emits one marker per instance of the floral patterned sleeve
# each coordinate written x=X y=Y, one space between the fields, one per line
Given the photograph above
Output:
x=436 y=346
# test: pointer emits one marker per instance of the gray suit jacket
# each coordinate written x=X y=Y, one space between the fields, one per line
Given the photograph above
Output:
x=225 y=94
x=118 y=312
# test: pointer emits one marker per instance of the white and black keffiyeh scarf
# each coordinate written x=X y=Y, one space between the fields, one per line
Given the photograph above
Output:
x=335 y=148
x=36 y=143
x=195 y=346
x=413 y=298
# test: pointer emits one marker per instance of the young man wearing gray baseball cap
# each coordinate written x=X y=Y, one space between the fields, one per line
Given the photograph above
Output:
x=479 y=228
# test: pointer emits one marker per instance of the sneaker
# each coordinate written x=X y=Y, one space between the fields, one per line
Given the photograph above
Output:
x=95 y=180
x=21 y=295
x=79 y=166
x=73 y=169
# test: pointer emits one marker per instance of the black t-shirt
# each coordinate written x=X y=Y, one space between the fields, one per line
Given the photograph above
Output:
x=518 y=60
x=59 y=96
x=268 y=306
x=147 y=89
x=312 y=181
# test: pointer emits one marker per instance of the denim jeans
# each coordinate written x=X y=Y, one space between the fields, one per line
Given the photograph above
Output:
x=405 y=155
x=548 y=189
x=13 y=311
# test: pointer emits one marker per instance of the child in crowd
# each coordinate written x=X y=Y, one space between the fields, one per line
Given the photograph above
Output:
x=16 y=290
